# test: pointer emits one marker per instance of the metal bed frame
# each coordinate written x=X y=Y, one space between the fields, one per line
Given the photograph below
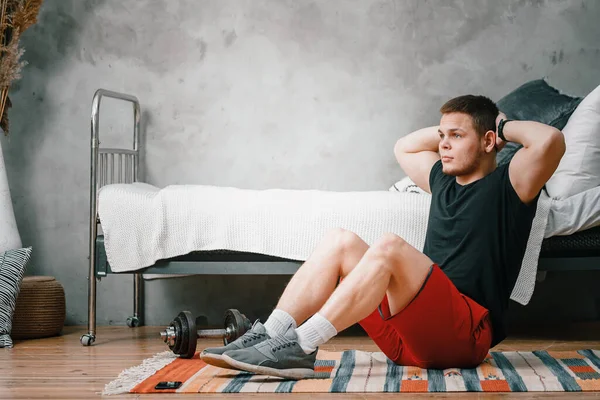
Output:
x=580 y=251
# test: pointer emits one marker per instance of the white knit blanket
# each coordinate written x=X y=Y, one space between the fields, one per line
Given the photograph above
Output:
x=142 y=223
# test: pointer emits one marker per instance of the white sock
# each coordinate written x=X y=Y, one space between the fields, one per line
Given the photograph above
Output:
x=279 y=322
x=315 y=332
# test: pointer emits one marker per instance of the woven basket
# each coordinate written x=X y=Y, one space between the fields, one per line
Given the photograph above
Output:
x=40 y=309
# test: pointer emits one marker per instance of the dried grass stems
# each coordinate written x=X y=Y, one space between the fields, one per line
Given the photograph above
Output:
x=16 y=16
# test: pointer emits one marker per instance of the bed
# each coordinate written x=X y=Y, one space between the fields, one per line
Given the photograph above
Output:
x=114 y=172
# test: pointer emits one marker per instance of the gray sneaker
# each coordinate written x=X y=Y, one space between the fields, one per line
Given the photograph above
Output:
x=279 y=356
x=214 y=355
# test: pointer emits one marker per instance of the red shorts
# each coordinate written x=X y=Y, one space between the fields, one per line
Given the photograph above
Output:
x=440 y=328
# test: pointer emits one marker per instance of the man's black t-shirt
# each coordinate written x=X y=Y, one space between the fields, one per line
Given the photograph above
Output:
x=477 y=233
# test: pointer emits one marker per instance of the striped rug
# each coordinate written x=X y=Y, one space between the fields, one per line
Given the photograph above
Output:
x=359 y=371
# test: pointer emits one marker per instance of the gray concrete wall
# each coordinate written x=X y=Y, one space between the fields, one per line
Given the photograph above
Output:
x=261 y=94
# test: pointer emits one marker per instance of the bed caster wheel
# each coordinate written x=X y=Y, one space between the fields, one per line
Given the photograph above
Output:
x=87 y=339
x=133 y=322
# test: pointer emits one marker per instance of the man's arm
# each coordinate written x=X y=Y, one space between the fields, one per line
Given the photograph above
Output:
x=417 y=152
x=534 y=164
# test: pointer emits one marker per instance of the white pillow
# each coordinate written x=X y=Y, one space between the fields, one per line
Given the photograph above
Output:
x=406 y=185
x=579 y=169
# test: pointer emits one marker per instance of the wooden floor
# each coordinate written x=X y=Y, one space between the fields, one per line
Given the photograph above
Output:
x=61 y=368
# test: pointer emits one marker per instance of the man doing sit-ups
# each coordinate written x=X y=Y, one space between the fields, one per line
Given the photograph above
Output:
x=443 y=307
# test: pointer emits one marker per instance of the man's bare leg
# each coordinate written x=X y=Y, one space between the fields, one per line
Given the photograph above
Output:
x=391 y=266
x=310 y=287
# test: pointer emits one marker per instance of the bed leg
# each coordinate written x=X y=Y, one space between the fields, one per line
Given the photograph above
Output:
x=138 y=302
x=89 y=338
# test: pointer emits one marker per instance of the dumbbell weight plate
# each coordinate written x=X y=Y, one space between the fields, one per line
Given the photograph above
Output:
x=236 y=324
x=189 y=335
x=176 y=324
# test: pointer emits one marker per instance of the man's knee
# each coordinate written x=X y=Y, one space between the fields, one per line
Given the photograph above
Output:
x=399 y=258
x=342 y=239
x=386 y=252
x=389 y=245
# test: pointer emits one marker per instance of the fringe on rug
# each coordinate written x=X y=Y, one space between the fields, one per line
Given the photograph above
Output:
x=131 y=377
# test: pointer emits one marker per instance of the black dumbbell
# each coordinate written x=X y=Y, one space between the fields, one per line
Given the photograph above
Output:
x=182 y=335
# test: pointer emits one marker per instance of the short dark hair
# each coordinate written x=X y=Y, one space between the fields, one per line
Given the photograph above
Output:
x=483 y=111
